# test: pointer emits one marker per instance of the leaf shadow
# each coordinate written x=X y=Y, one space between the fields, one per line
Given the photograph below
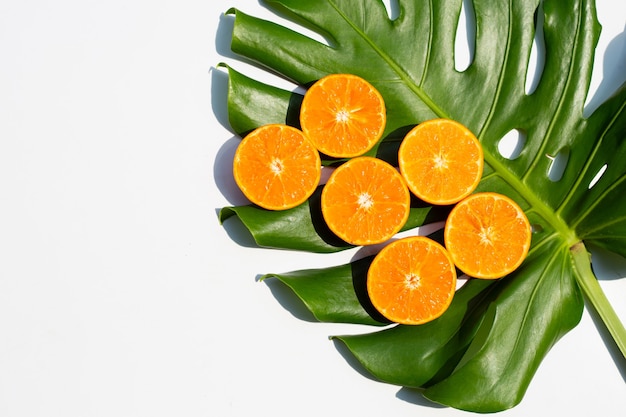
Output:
x=414 y=396
x=359 y=282
x=609 y=342
x=614 y=61
x=219 y=96
x=288 y=300
x=607 y=266
x=238 y=232
x=222 y=173
x=388 y=147
x=292 y=118
x=320 y=225
x=351 y=360
x=223 y=37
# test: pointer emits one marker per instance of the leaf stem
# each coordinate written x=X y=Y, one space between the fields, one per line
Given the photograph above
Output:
x=593 y=291
x=567 y=233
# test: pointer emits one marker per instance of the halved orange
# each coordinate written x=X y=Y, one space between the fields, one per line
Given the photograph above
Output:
x=343 y=115
x=488 y=235
x=365 y=201
x=277 y=167
x=412 y=280
x=441 y=161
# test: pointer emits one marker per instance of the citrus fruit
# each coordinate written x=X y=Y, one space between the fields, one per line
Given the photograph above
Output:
x=343 y=115
x=276 y=167
x=365 y=201
x=412 y=280
x=441 y=161
x=488 y=235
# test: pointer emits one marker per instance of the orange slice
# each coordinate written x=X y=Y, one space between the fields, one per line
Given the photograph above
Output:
x=441 y=160
x=412 y=280
x=343 y=115
x=276 y=167
x=365 y=201
x=488 y=235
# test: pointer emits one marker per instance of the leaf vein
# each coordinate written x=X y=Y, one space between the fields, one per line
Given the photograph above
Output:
x=591 y=159
x=544 y=273
x=597 y=201
x=403 y=75
x=501 y=78
x=561 y=103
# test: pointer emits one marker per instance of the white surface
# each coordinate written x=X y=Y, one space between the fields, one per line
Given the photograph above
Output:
x=120 y=294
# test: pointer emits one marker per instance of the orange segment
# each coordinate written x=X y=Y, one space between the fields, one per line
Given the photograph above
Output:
x=365 y=201
x=412 y=280
x=488 y=235
x=276 y=167
x=441 y=160
x=343 y=115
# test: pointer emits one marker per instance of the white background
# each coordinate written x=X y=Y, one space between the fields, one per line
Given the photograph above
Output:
x=120 y=292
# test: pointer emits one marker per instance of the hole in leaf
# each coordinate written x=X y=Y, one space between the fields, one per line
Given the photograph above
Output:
x=465 y=37
x=393 y=8
x=537 y=53
x=597 y=177
x=608 y=70
x=512 y=144
x=536 y=228
x=607 y=264
x=557 y=165
x=302 y=27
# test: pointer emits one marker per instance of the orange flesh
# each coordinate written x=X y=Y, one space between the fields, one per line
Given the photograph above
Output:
x=412 y=280
x=343 y=115
x=365 y=201
x=276 y=167
x=488 y=235
x=441 y=160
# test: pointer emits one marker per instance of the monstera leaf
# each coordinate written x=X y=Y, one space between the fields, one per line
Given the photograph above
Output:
x=483 y=352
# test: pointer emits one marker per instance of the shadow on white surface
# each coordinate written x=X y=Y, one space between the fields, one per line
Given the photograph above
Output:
x=607 y=266
x=237 y=232
x=414 y=396
x=288 y=300
x=223 y=36
x=607 y=339
x=219 y=96
x=409 y=395
x=614 y=72
x=351 y=360
x=222 y=173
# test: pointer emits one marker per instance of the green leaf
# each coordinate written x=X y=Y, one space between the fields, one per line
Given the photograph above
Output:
x=532 y=309
x=336 y=294
x=303 y=228
x=299 y=228
x=411 y=62
x=279 y=106
x=416 y=356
